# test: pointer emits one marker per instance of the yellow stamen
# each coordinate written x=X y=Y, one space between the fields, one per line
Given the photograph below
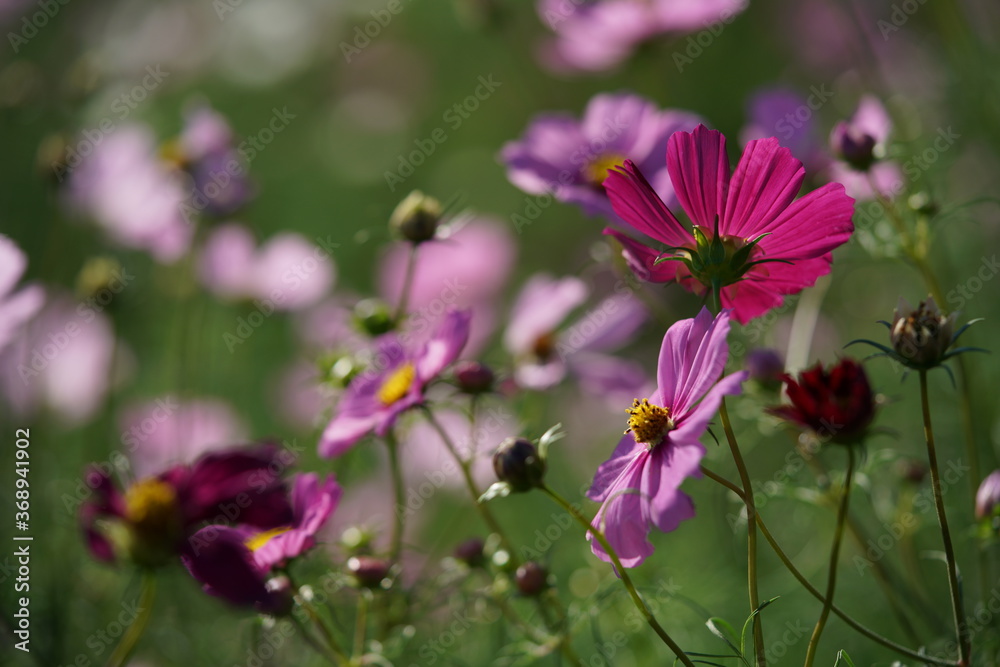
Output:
x=397 y=385
x=151 y=502
x=648 y=423
x=597 y=170
x=260 y=539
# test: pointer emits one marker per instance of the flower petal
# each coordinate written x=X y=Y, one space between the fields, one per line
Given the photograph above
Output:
x=766 y=181
x=636 y=202
x=692 y=357
x=699 y=171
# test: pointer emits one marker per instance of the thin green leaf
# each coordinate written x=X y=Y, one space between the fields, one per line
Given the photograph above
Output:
x=496 y=490
x=842 y=655
x=721 y=628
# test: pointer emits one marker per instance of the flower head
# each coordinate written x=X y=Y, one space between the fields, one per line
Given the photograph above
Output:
x=988 y=496
x=639 y=486
x=152 y=520
x=236 y=563
x=835 y=403
x=375 y=399
x=570 y=157
x=860 y=144
x=751 y=239
x=16 y=307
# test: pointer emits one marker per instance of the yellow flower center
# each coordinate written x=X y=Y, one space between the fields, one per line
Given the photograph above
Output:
x=648 y=423
x=398 y=384
x=151 y=503
x=597 y=169
x=260 y=539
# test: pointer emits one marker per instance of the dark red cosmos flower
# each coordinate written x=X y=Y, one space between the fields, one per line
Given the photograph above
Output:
x=835 y=404
x=152 y=520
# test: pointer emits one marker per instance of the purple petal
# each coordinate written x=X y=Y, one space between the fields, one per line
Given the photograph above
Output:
x=692 y=357
x=541 y=307
x=609 y=473
x=620 y=518
x=343 y=432
x=693 y=424
x=217 y=557
x=446 y=345
x=670 y=464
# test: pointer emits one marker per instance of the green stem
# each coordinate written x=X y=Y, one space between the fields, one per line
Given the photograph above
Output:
x=125 y=647
x=404 y=294
x=470 y=484
x=623 y=573
x=790 y=566
x=360 y=626
x=831 y=582
x=331 y=641
x=396 y=545
x=748 y=499
x=961 y=627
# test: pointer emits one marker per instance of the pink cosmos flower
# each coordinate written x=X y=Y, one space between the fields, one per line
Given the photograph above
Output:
x=235 y=563
x=570 y=157
x=544 y=352
x=166 y=431
x=751 y=237
x=16 y=307
x=465 y=266
x=595 y=36
x=133 y=195
x=218 y=171
x=639 y=486
x=786 y=114
x=287 y=270
x=400 y=372
x=868 y=131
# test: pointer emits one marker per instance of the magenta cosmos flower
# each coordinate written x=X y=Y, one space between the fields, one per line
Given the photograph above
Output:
x=639 y=485
x=234 y=563
x=570 y=158
x=751 y=238
x=153 y=519
x=395 y=383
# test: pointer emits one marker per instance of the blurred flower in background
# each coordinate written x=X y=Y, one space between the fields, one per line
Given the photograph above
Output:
x=16 y=305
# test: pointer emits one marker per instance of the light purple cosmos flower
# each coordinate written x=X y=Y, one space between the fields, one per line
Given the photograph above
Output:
x=871 y=121
x=165 y=431
x=600 y=35
x=569 y=158
x=639 y=486
x=544 y=353
x=61 y=360
x=287 y=270
x=218 y=171
x=787 y=115
x=235 y=563
x=395 y=383
x=465 y=266
x=133 y=195
x=16 y=306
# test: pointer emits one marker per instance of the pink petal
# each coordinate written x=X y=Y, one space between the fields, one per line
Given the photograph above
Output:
x=692 y=357
x=636 y=202
x=541 y=307
x=343 y=432
x=699 y=171
x=670 y=464
x=642 y=259
x=766 y=181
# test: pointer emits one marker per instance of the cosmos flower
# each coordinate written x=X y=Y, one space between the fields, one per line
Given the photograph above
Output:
x=16 y=306
x=861 y=144
x=218 y=171
x=235 y=563
x=751 y=238
x=639 y=486
x=836 y=404
x=288 y=271
x=786 y=114
x=544 y=352
x=569 y=158
x=596 y=36
x=400 y=372
x=152 y=521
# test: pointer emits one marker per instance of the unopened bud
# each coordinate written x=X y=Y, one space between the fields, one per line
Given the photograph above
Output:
x=368 y=571
x=853 y=146
x=473 y=377
x=517 y=462
x=372 y=316
x=470 y=552
x=416 y=218
x=922 y=335
x=531 y=579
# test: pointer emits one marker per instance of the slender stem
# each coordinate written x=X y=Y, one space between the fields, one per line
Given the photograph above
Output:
x=125 y=647
x=790 y=566
x=404 y=294
x=758 y=630
x=331 y=641
x=316 y=645
x=361 y=625
x=623 y=573
x=470 y=484
x=831 y=582
x=961 y=627
x=396 y=545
